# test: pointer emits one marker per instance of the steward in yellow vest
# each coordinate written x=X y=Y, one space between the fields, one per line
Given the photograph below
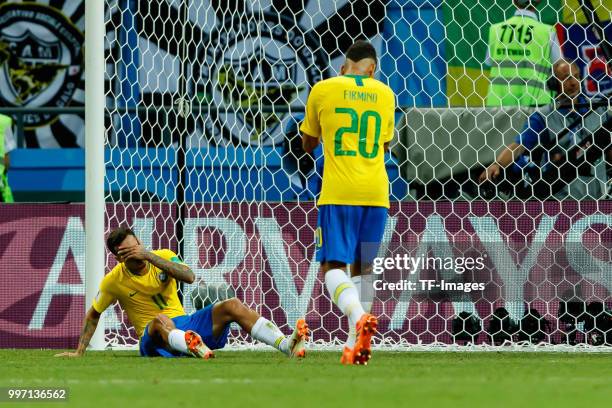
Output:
x=522 y=51
x=6 y=195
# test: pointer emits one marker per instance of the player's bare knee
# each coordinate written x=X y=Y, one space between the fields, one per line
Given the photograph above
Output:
x=163 y=321
x=233 y=307
x=359 y=269
x=154 y=327
x=329 y=265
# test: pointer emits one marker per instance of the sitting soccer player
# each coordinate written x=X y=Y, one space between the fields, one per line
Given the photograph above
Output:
x=145 y=284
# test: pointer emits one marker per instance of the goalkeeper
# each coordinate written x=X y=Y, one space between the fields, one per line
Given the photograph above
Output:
x=145 y=284
x=353 y=116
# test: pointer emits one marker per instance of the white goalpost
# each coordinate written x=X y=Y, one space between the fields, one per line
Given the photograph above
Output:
x=94 y=158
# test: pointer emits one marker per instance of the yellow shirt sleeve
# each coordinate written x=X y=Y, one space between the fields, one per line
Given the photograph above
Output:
x=168 y=255
x=311 y=124
x=105 y=296
x=391 y=123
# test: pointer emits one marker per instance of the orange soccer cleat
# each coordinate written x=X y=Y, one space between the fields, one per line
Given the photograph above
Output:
x=297 y=341
x=196 y=346
x=347 y=356
x=366 y=327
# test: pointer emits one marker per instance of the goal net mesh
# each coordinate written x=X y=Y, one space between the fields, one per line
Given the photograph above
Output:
x=203 y=104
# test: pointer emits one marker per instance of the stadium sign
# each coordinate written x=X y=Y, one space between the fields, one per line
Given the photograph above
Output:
x=269 y=260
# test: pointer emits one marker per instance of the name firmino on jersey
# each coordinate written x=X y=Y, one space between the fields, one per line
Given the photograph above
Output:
x=360 y=96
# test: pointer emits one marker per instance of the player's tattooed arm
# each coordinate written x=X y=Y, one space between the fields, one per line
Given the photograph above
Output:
x=179 y=271
x=89 y=328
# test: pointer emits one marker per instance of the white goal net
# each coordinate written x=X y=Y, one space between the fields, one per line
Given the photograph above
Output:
x=203 y=102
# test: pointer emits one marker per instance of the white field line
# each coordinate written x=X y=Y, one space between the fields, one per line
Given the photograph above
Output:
x=280 y=381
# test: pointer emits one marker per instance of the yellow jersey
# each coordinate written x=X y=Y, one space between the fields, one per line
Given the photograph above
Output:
x=353 y=116
x=141 y=296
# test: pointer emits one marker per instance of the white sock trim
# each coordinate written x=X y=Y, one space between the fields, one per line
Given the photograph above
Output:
x=352 y=337
x=344 y=295
x=365 y=291
x=176 y=341
x=357 y=282
x=267 y=332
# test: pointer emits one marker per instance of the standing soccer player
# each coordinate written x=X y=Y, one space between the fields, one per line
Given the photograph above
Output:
x=353 y=116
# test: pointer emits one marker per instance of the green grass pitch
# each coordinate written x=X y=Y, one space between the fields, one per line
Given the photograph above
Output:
x=267 y=379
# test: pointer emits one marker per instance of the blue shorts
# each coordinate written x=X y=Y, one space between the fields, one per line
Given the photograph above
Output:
x=342 y=229
x=200 y=322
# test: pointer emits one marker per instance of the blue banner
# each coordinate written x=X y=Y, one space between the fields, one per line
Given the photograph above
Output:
x=580 y=44
x=413 y=62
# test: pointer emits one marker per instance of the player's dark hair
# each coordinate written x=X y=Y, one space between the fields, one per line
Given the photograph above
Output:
x=116 y=237
x=359 y=50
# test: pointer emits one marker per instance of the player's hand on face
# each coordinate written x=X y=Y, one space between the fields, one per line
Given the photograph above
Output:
x=69 y=354
x=135 y=252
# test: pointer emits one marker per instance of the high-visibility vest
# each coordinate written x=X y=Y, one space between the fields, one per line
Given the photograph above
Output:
x=6 y=194
x=519 y=49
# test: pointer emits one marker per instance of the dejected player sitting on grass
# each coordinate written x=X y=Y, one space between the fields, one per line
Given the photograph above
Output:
x=145 y=284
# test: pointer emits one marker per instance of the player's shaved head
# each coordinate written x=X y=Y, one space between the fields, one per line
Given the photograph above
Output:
x=361 y=50
x=116 y=237
x=360 y=59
